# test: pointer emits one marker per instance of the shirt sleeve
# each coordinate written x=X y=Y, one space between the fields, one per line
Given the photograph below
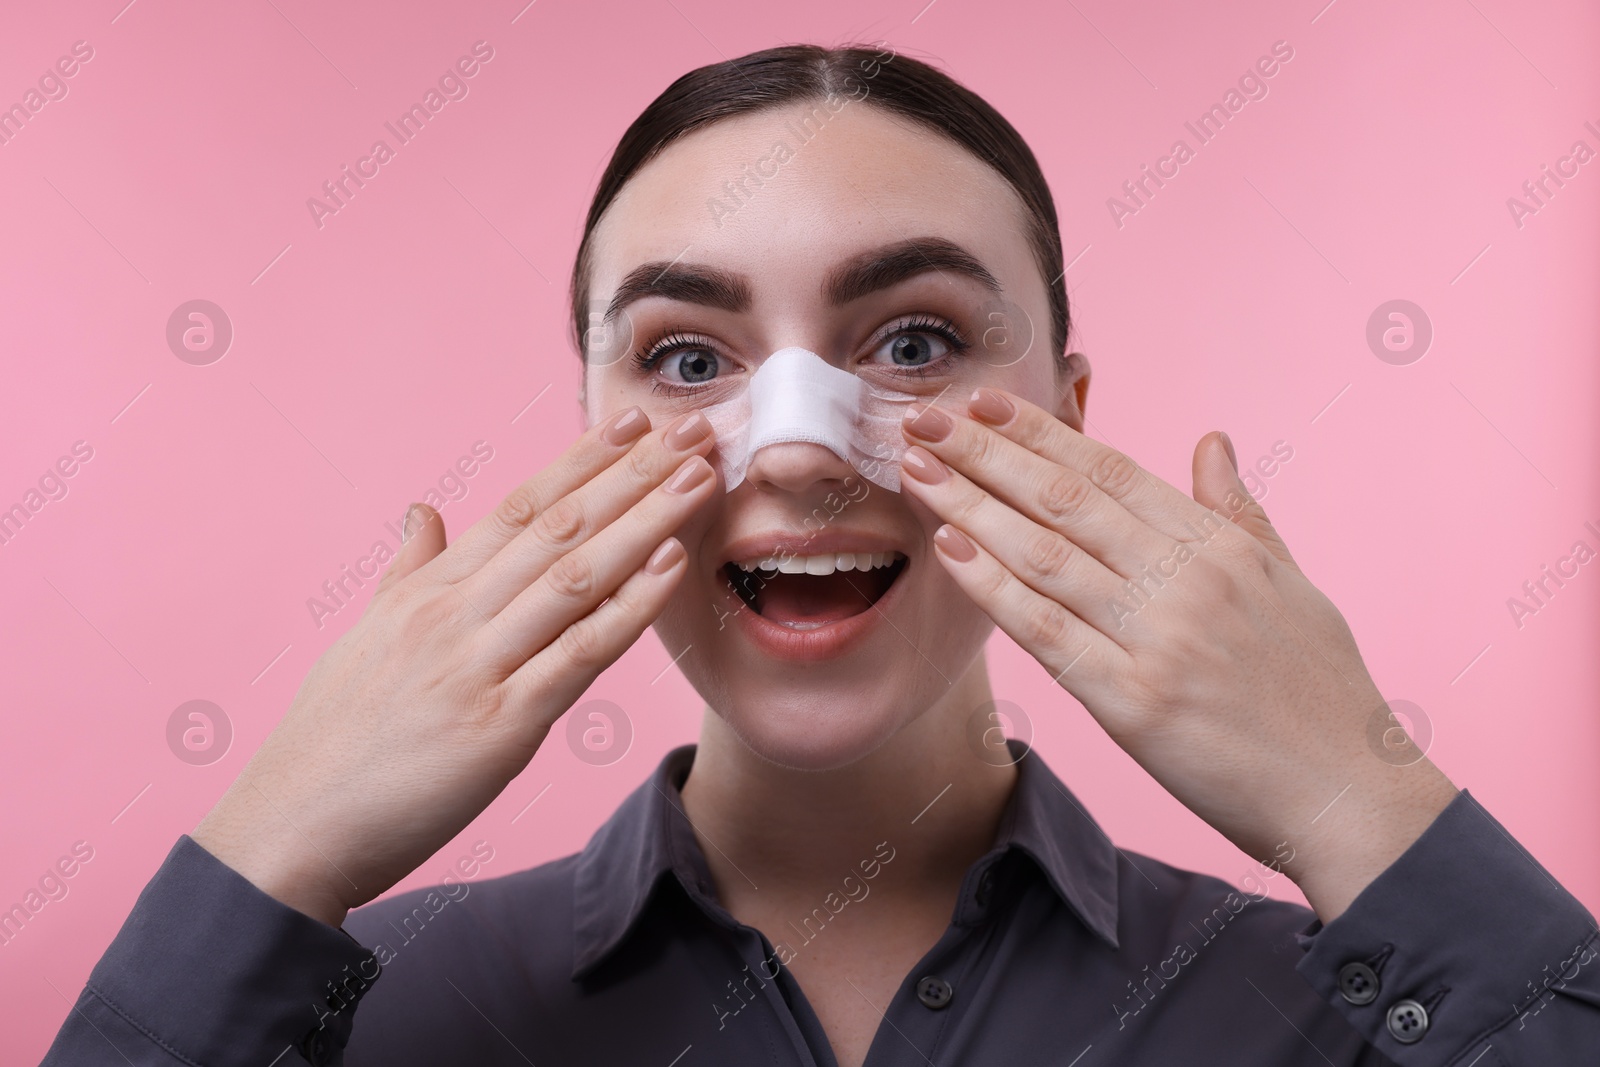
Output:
x=1463 y=952
x=208 y=969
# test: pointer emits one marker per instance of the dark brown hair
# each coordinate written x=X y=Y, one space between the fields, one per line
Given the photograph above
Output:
x=802 y=72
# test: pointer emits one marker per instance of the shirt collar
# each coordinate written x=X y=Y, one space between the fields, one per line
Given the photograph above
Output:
x=649 y=835
x=1045 y=820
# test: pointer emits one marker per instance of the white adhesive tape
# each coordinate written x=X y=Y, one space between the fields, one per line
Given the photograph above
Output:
x=797 y=396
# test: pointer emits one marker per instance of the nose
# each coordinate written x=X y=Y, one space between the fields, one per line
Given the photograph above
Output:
x=795 y=466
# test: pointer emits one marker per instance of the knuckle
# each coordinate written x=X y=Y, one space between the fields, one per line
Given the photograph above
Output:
x=584 y=643
x=995 y=585
x=984 y=449
x=1235 y=593
x=1155 y=688
x=518 y=509
x=1046 y=554
x=1218 y=589
x=966 y=505
x=562 y=523
x=641 y=464
x=422 y=611
x=572 y=577
x=473 y=693
x=1045 y=624
x=1114 y=473
x=1064 y=495
x=1237 y=550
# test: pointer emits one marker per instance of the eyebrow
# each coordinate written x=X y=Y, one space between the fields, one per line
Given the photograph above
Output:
x=854 y=278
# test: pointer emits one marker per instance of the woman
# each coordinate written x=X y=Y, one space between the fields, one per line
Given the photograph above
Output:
x=847 y=868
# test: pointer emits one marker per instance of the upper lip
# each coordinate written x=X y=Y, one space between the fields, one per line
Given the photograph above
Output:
x=787 y=544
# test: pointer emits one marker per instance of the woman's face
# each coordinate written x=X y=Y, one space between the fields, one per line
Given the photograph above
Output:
x=745 y=231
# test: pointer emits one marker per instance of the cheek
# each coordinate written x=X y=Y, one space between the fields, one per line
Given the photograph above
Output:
x=1033 y=379
x=699 y=605
x=954 y=629
x=609 y=389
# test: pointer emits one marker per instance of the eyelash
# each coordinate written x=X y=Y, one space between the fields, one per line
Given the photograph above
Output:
x=655 y=351
x=651 y=354
x=941 y=328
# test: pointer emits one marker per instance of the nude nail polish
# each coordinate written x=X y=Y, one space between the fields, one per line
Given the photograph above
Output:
x=954 y=543
x=694 y=429
x=924 y=466
x=929 y=423
x=626 y=426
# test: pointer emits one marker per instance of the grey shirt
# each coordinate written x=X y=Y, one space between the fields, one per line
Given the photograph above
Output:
x=1062 y=950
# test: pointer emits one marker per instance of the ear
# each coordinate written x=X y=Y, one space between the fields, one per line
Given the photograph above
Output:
x=1072 y=386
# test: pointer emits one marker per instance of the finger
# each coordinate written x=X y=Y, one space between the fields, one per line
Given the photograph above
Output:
x=581 y=514
x=421 y=539
x=576 y=583
x=1217 y=486
x=544 y=687
x=1078 y=657
x=597 y=448
x=1052 y=494
x=1146 y=496
x=1047 y=562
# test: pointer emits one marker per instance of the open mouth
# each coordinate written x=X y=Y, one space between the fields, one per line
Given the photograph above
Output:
x=808 y=592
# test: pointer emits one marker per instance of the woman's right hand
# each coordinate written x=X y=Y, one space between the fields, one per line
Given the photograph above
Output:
x=414 y=720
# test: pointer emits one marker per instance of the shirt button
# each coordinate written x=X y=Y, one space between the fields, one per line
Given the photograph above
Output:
x=985 y=887
x=934 y=992
x=1408 y=1021
x=1358 y=983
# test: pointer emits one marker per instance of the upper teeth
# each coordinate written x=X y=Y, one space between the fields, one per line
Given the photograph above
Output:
x=827 y=564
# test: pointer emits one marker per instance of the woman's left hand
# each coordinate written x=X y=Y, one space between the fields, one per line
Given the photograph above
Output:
x=1186 y=629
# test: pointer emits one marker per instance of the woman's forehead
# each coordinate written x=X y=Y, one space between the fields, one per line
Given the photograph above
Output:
x=752 y=194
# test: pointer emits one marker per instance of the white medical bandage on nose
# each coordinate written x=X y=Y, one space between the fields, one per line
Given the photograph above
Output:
x=797 y=396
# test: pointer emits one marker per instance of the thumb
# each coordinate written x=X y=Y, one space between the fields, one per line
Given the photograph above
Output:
x=421 y=539
x=1217 y=486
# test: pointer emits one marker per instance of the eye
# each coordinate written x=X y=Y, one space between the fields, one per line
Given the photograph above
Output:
x=683 y=360
x=917 y=343
x=690 y=365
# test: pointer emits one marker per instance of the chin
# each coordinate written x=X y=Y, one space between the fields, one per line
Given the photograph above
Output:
x=814 y=727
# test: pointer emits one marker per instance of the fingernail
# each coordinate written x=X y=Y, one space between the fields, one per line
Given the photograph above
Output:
x=691 y=475
x=694 y=428
x=924 y=466
x=664 y=558
x=625 y=426
x=409 y=524
x=929 y=423
x=991 y=407
x=954 y=543
x=1228 y=444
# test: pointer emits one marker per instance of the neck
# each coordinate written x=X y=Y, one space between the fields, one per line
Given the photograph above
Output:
x=794 y=833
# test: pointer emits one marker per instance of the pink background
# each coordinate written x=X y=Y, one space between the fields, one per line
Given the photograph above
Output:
x=369 y=354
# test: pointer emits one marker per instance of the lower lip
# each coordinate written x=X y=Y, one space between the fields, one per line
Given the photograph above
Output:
x=824 y=642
